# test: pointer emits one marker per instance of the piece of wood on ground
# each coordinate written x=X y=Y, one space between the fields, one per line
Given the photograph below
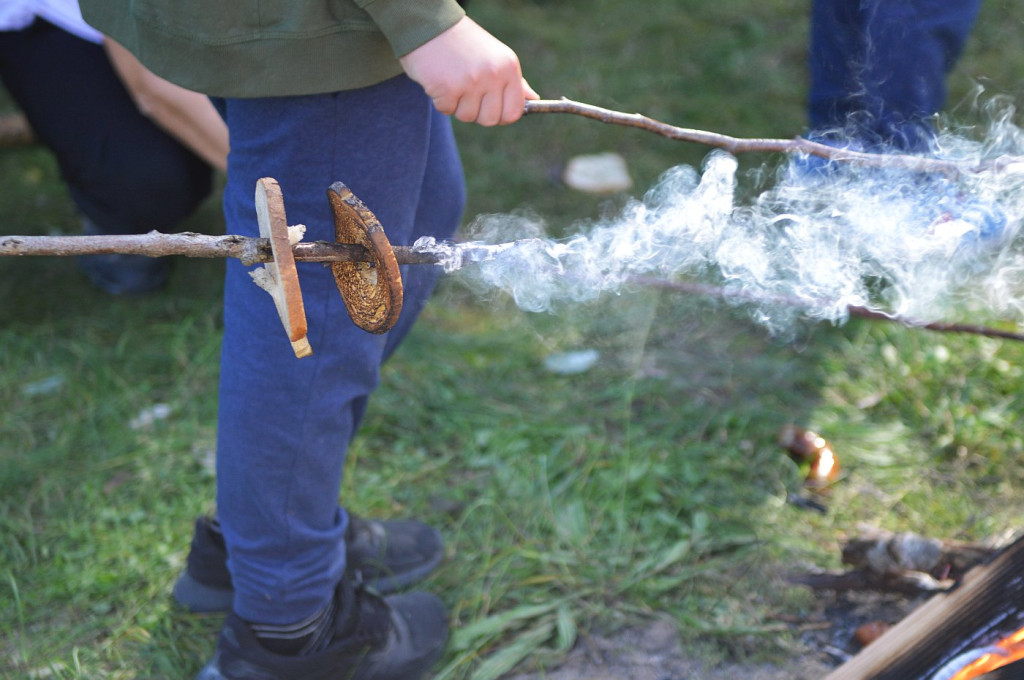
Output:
x=910 y=583
x=885 y=552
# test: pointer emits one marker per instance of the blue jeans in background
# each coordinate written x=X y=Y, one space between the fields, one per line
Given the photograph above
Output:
x=879 y=67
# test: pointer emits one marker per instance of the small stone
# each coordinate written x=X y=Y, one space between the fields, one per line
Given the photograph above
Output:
x=661 y=636
x=569 y=363
x=44 y=386
x=150 y=415
x=602 y=173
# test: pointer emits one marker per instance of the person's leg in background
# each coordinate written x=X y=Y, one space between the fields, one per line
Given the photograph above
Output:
x=124 y=173
x=878 y=77
x=879 y=68
x=836 y=53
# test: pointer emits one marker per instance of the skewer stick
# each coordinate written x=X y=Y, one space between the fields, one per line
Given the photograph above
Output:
x=270 y=203
x=257 y=250
x=250 y=250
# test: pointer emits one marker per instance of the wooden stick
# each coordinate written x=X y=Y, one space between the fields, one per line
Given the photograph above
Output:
x=249 y=250
x=905 y=583
x=252 y=251
x=789 y=146
x=860 y=312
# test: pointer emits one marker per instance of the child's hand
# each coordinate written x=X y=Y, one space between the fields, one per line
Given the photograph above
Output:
x=471 y=74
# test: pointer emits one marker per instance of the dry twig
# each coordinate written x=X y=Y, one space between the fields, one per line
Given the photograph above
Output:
x=860 y=312
x=788 y=146
x=249 y=250
x=257 y=250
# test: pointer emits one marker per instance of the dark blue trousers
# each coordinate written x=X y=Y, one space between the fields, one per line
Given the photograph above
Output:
x=284 y=423
x=879 y=67
x=123 y=172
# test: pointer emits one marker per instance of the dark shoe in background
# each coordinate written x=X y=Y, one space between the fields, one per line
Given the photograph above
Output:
x=385 y=555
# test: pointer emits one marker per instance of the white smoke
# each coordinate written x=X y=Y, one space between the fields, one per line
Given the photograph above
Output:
x=818 y=241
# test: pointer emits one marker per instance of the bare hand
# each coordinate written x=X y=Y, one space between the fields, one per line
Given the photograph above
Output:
x=471 y=74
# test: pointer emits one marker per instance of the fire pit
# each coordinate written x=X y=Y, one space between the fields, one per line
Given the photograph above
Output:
x=975 y=626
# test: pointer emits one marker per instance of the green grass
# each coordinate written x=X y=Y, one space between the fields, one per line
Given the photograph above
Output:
x=651 y=484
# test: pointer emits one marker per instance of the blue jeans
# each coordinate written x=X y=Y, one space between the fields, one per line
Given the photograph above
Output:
x=879 y=67
x=285 y=424
x=123 y=172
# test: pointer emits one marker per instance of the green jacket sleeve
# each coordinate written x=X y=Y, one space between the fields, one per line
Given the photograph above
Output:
x=407 y=24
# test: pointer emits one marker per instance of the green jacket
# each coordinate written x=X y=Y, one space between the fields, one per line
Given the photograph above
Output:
x=259 y=48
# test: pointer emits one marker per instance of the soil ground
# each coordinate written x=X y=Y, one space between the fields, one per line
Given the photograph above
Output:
x=654 y=652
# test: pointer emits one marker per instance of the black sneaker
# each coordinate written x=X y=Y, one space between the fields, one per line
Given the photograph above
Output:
x=394 y=638
x=385 y=555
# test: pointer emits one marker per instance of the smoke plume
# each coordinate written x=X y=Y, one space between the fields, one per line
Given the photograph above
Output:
x=824 y=236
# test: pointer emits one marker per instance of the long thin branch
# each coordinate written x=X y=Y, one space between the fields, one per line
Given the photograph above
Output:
x=707 y=290
x=152 y=244
x=788 y=146
x=256 y=250
x=190 y=244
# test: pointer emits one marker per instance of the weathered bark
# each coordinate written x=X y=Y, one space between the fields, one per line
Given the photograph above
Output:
x=884 y=552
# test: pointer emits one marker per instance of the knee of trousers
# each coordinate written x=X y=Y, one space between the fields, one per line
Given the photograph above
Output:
x=151 y=191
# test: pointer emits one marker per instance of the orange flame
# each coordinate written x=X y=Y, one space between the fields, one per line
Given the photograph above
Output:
x=1013 y=649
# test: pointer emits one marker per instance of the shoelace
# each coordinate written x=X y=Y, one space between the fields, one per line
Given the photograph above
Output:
x=372 y=613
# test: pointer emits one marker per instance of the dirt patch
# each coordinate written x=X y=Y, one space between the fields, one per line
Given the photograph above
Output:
x=654 y=651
